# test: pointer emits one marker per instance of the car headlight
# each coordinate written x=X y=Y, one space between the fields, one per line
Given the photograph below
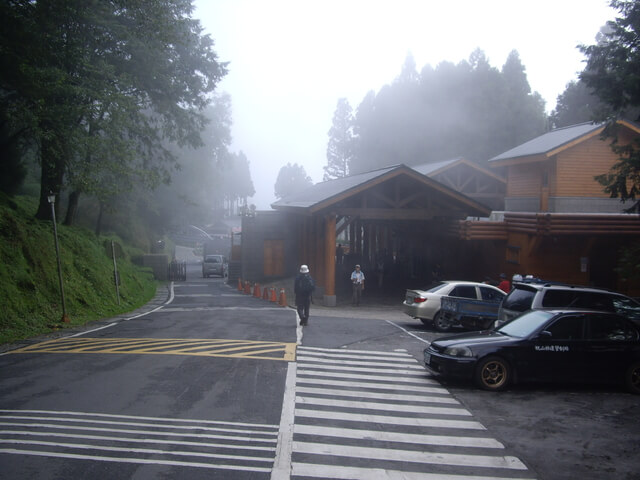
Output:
x=458 y=351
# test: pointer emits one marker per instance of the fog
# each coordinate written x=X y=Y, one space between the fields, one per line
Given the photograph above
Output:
x=291 y=60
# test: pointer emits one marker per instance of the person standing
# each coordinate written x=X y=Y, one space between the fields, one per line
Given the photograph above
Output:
x=303 y=287
x=505 y=284
x=357 y=279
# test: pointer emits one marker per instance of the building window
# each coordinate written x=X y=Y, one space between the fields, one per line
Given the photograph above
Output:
x=513 y=254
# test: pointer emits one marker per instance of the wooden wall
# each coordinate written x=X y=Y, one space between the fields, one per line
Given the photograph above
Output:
x=577 y=167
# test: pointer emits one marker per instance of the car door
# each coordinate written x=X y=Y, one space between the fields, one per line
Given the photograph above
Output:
x=558 y=352
x=610 y=339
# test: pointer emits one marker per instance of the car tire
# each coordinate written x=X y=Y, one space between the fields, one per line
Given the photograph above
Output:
x=493 y=374
x=439 y=325
x=632 y=378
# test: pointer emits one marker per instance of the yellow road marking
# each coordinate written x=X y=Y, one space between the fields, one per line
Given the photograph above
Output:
x=169 y=346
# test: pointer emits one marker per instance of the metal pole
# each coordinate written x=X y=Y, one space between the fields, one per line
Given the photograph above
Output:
x=115 y=271
x=52 y=201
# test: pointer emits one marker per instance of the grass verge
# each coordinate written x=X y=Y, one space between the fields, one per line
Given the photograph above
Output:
x=29 y=283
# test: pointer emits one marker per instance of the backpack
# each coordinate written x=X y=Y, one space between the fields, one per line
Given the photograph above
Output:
x=306 y=284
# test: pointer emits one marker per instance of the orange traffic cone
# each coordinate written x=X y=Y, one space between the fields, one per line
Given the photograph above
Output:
x=247 y=288
x=272 y=292
x=283 y=298
x=265 y=294
x=240 y=284
x=256 y=290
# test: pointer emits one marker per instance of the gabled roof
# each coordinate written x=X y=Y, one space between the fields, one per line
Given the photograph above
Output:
x=433 y=169
x=555 y=141
x=324 y=194
x=550 y=143
x=430 y=168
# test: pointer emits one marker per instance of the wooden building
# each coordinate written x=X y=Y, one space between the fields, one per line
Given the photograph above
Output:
x=558 y=223
x=395 y=216
x=456 y=220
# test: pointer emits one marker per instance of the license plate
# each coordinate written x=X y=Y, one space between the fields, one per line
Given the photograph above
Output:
x=427 y=358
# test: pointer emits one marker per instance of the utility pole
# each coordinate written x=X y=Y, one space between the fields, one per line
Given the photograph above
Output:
x=52 y=201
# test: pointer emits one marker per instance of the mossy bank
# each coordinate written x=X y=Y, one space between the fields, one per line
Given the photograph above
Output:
x=29 y=284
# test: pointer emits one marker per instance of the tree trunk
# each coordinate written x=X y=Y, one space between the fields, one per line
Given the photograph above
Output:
x=52 y=177
x=72 y=207
x=99 y=220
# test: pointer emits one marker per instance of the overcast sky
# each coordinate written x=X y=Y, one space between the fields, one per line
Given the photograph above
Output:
x=291 y=60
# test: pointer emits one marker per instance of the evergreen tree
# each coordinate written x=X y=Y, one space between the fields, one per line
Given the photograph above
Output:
x=577 y=104
x=340 y=150
x=470 y=110
x=613 y=73
x=291 y=179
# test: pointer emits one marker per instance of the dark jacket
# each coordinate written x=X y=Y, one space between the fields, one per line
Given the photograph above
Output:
x=303 y=294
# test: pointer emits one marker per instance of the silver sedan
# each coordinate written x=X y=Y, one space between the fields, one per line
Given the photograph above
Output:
x=425 y=304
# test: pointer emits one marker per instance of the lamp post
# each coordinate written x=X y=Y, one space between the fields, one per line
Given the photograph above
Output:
x=52 y=201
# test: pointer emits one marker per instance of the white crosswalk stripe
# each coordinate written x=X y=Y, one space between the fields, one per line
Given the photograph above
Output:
x=376 y=415
x=139 y=440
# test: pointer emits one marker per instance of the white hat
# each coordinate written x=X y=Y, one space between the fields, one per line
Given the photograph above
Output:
x=304 y=269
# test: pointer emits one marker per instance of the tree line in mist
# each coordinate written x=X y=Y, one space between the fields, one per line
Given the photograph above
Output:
x=113 y=107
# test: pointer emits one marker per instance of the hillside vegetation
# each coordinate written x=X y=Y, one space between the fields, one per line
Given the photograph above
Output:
x=29 y=286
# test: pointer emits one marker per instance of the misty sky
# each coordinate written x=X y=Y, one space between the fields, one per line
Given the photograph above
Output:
x=291 y=60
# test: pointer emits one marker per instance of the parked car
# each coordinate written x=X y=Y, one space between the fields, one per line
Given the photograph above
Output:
x=214 y=265
x=425 y=304
x=543 y=345
x=535 y=296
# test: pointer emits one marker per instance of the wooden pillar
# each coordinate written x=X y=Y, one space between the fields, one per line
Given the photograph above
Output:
x=318 y=250
x=329 y=260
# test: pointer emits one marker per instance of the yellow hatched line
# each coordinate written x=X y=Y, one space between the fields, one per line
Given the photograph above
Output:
x=169 y=346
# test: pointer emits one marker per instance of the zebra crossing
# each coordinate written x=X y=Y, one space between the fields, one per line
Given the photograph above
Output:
x=195 y=443
x=377 y=415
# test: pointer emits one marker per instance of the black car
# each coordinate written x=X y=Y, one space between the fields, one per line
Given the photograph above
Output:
x=543 y=345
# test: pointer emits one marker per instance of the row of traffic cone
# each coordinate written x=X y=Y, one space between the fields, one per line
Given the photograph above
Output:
x=269 y=293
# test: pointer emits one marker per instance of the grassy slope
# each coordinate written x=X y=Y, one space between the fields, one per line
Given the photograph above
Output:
x=29 y=287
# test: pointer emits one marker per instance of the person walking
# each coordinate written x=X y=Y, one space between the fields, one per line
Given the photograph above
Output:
x=303 y=287
x=357 y=279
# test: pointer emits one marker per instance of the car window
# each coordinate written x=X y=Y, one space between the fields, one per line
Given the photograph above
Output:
x=626 y=306
x=212 y=260
x=559 y=298
x=490 y=295
x=568 y=328
x=596 y=301
x=465 y=291
x=438 y=287
x=520 y=299
x=610 y=328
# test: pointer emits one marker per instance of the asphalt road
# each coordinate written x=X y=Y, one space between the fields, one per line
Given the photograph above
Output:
x=202 y=384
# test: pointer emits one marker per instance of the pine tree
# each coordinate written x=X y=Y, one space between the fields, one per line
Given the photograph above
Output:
x=340 y=150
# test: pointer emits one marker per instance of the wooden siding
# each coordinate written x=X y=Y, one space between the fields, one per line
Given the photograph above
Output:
x=524 y=180
x=273 y=258
x=578 y=166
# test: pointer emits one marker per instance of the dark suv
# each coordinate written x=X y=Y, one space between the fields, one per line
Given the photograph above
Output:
x=535 y=296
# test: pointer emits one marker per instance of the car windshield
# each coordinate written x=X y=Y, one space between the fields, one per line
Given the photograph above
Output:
x=212 y=260
x=526 y=324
